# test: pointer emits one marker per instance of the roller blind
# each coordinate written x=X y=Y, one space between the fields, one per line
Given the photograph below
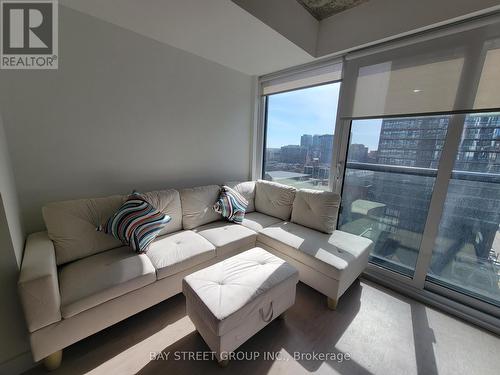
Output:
x=302 y=78
x=488 y=92
x=458 y=71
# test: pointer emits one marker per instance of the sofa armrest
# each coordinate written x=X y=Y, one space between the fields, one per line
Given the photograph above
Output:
x=38 y=285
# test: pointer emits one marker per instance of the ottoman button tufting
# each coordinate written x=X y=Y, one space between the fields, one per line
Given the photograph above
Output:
x=251 y=299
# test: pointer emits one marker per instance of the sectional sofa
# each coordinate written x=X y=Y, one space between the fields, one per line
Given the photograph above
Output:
x=76 y=281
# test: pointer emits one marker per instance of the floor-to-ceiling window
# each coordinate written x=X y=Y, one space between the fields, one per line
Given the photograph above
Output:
x=421 y=175
x=466 y=255
x=388 y=184
x=392 y=165
x=299 y=116
x=299 y=136
x=415 y=157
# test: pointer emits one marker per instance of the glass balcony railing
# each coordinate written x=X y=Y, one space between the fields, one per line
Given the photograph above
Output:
x=389 y=205
x=388 y=186
x=467 y=250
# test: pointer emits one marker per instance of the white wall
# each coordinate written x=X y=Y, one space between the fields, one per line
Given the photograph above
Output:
x=14 y=349
x=123 y=112
x=379 y=20
x=10 y=200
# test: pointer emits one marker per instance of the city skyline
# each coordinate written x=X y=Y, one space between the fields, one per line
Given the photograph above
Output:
x=416 y=151
x=311 y=111
x=299 y=143
x=292 y=114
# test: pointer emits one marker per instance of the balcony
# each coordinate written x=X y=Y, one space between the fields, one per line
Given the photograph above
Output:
x=389 y=204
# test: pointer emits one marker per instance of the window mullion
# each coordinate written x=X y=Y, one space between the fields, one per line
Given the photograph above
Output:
x=436 y=206
x=466 y=94
x=342 y=128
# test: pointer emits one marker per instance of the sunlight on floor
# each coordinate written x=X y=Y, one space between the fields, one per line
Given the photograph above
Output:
x=140 y=352
x=383 y=332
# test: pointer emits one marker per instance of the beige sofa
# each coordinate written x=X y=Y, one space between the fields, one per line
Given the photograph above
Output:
x=76 y=281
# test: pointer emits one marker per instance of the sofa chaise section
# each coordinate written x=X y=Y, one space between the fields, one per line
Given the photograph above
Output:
x=327 y=259
x=327 y=262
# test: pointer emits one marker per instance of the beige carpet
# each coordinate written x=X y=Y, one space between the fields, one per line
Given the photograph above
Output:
x=382 y=332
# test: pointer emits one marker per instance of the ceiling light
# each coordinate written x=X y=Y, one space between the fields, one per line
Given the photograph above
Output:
x=416 y=90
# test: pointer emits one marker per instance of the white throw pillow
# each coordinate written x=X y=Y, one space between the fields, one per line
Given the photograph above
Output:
x=316 y=209
x=274 y=199
x=197 y=205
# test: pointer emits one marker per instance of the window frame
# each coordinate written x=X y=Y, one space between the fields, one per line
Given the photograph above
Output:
x=258 y=157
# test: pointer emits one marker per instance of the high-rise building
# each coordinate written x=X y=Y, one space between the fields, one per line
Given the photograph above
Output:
x=412 y=142
x=315 y=141
x=480 y=147
x=372 y=156
x=358 y=153
x=273 y=154
x=325 y=148
x=293 y=154
x=418 y=142
x=306 y=140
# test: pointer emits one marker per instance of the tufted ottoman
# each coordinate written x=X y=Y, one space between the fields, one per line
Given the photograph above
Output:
x=232 y=300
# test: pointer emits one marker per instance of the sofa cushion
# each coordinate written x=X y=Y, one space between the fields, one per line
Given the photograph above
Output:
x=316 y=209
x=335 y=255
x=197 y=205
x=71 y=226
x=274 y=199
x=96 y=279
x=179 y=251
x=257 y=221
x=169 y=203
x=227 y=237
x=231 y=205
x=247 y=189
x=136 y=223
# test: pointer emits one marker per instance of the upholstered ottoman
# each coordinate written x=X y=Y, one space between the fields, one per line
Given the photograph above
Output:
x=232 y=300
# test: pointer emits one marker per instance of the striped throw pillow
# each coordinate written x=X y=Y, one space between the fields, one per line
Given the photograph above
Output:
x=231 y=205
x=136 y=223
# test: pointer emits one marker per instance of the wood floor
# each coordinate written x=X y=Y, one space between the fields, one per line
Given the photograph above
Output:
x=382 y=332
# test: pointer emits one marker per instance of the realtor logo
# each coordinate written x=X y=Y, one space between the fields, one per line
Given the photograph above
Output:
x=29 y=34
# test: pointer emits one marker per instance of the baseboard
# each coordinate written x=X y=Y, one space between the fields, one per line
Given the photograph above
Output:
x=17 y=365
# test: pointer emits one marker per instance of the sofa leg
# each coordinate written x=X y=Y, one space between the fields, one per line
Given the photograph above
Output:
x=53 y=361
x=332 y=303
x=223 y=362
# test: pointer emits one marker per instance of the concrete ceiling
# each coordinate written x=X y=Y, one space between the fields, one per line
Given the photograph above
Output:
x=353 y=24
x=217 y=30
x=321 y=9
